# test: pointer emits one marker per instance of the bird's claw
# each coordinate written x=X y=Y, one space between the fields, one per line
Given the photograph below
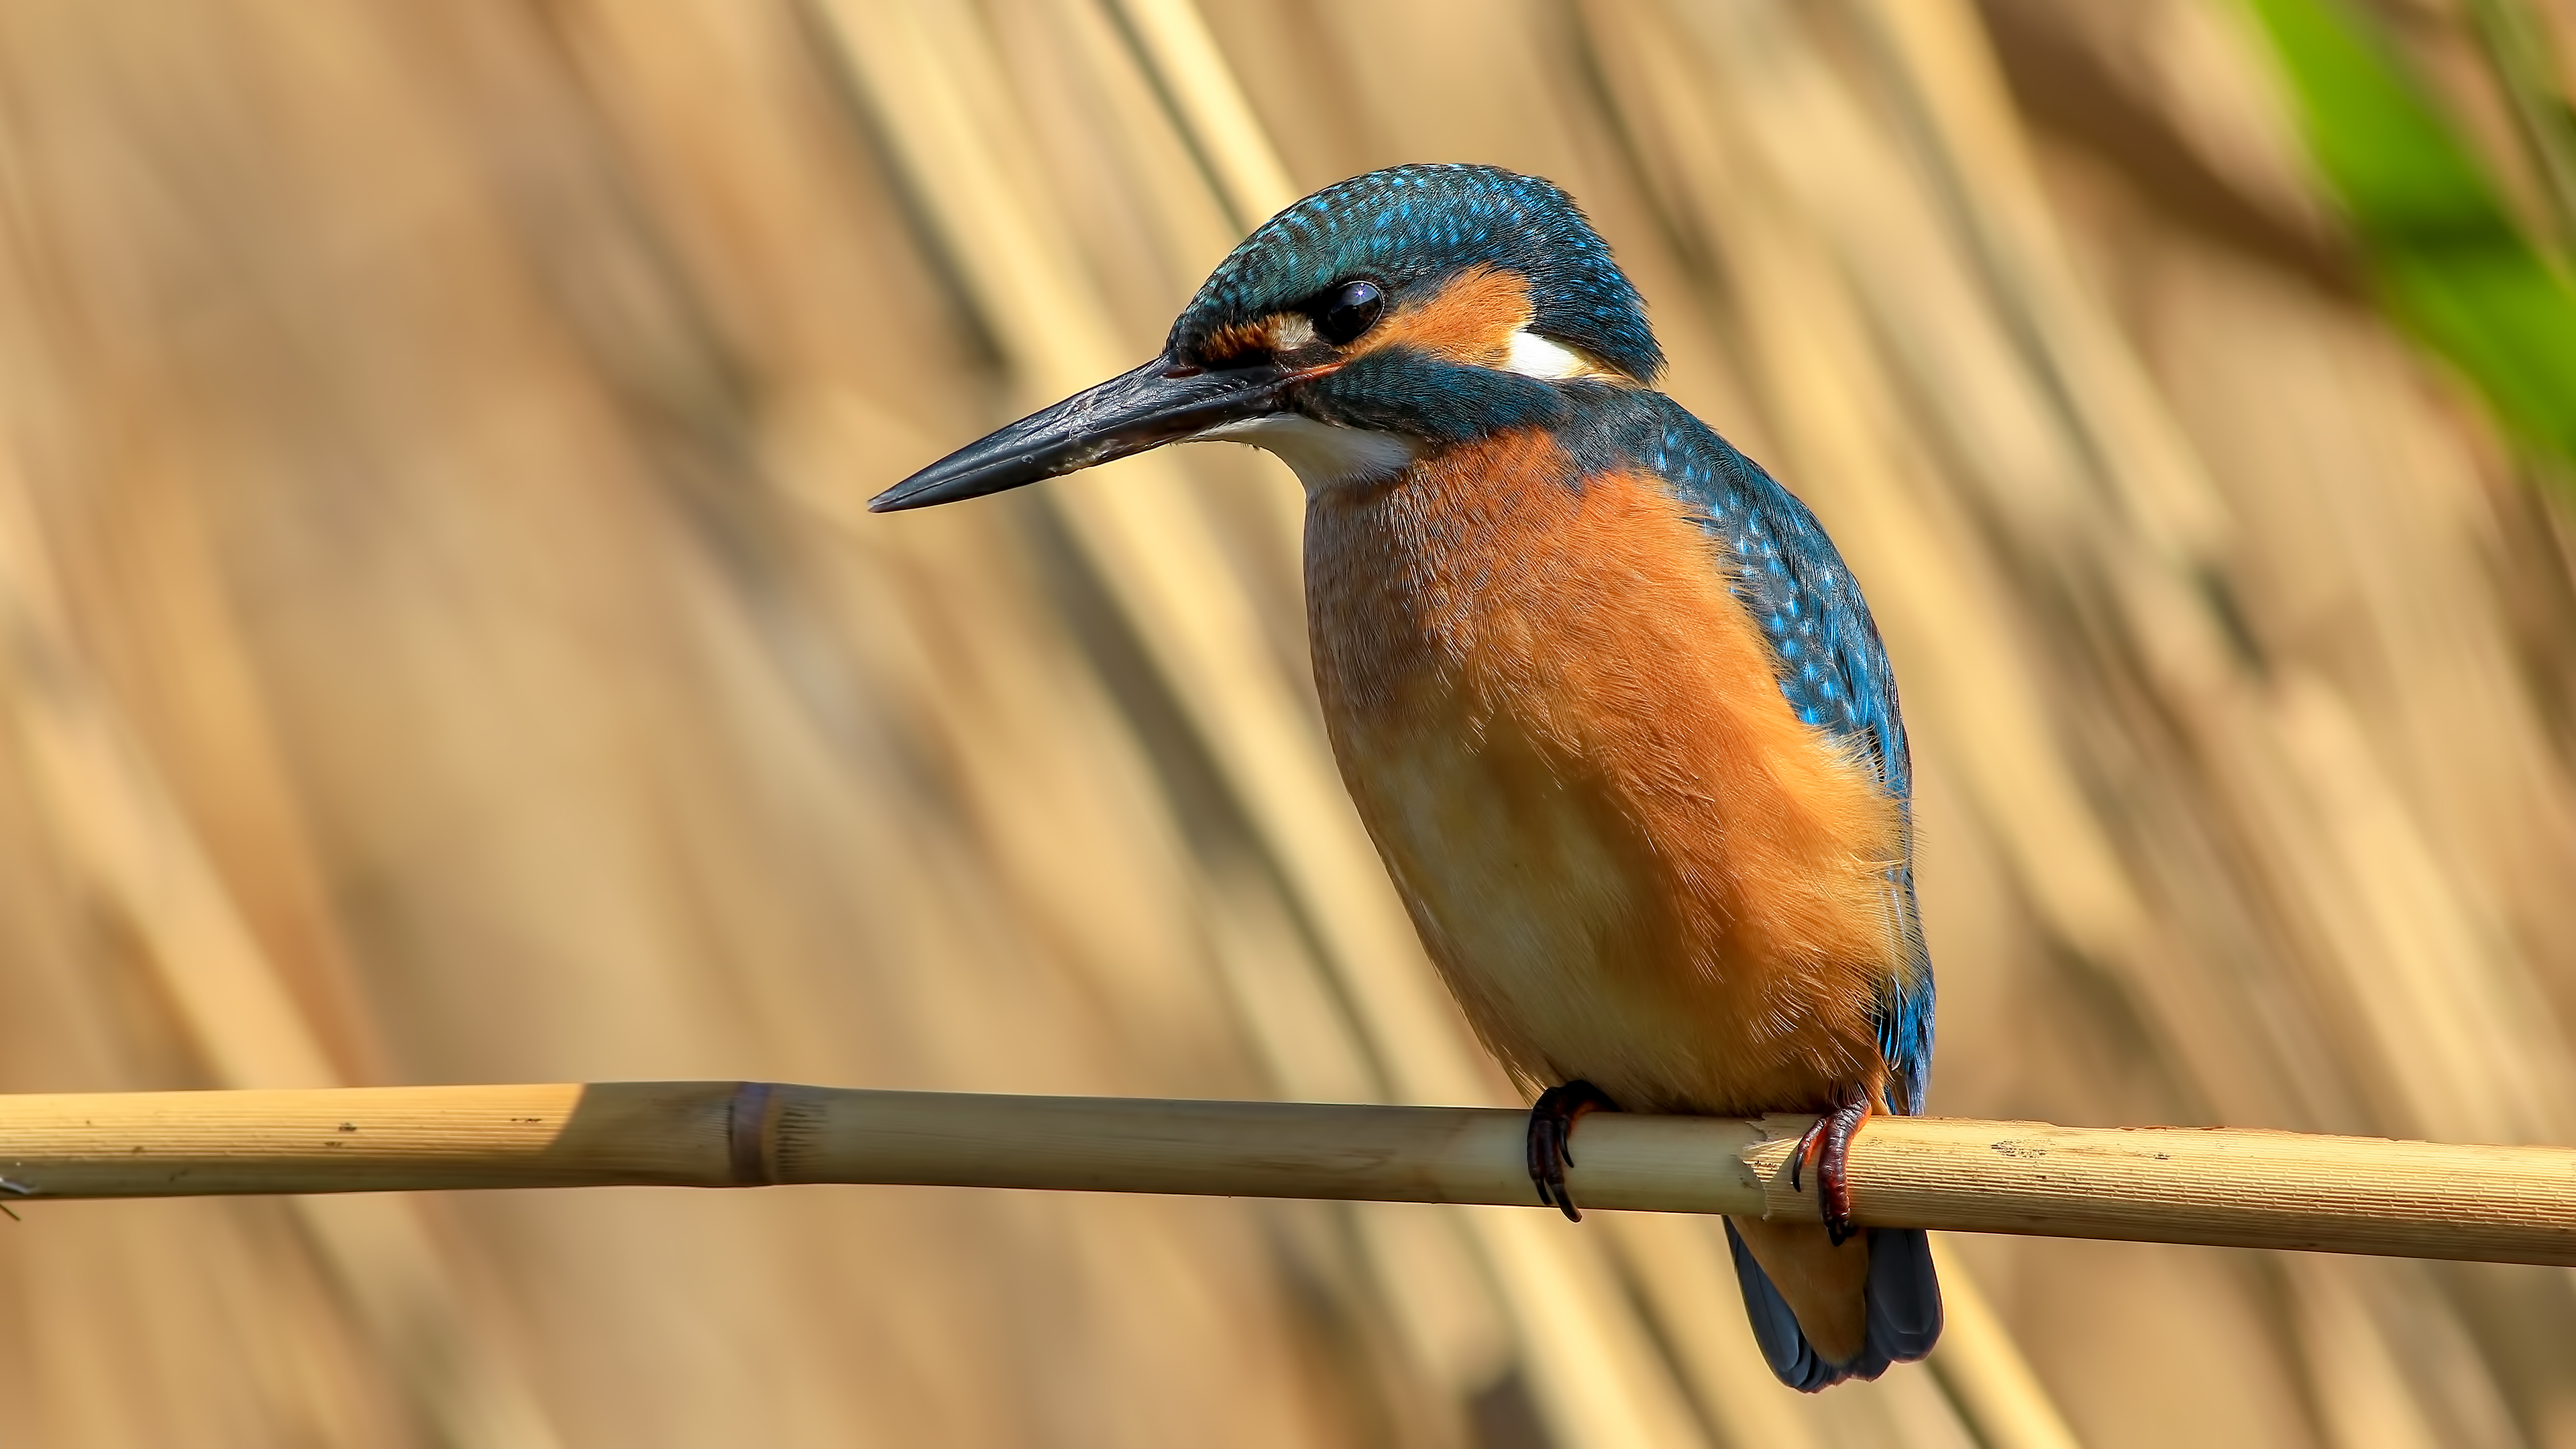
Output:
x=1827 y=1144
x=1551 y=1139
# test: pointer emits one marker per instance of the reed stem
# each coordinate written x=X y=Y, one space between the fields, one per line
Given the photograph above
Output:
x=2220 y=1186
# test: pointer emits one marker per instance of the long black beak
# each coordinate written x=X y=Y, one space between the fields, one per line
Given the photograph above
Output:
x=1155 y=404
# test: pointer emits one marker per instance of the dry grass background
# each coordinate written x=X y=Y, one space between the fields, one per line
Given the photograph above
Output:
x=439 y=641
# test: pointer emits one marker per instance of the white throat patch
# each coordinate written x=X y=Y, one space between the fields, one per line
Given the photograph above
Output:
x=1323 y=455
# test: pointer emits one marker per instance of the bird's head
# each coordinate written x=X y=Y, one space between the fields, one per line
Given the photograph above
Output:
x=1386 y=316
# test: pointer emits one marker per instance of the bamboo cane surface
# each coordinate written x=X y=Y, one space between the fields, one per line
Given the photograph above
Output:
x=2214 y=1186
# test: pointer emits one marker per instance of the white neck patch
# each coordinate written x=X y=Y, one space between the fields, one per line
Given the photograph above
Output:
x=1534 y=356
x=1322 y=454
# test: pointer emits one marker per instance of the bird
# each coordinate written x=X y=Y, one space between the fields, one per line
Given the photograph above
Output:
x=1607 y=699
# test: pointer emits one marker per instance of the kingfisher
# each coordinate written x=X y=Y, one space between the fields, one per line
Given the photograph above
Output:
x=1606 y=697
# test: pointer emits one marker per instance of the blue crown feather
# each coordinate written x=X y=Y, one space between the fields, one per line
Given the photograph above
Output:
x=1412 y=224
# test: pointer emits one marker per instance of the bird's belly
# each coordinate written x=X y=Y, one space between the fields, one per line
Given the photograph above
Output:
x=1563 y=931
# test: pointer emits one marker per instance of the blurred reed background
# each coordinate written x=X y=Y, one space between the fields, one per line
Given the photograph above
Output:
x=443 y=643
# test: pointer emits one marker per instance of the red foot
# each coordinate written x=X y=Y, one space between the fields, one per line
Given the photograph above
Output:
x=1828 y=1146
x=1551 y=1139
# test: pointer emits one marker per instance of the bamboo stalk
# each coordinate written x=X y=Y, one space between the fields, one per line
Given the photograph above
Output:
x=2214 y=1186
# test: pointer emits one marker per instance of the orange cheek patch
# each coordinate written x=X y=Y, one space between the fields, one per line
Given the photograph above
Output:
x=1470 y=321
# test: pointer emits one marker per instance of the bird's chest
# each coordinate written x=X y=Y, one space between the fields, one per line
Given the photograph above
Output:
x=1548 y=712
x=1437 y=654
x=1521 y=870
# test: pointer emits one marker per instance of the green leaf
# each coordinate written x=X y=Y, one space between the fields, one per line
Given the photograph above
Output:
x=2450 y=262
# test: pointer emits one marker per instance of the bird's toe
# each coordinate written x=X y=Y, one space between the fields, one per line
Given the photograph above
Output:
x=1551 y=1139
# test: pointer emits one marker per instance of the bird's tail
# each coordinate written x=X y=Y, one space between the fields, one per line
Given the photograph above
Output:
x=1823 y=1313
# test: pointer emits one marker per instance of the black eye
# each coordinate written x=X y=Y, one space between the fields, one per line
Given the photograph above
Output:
x=1349 y=311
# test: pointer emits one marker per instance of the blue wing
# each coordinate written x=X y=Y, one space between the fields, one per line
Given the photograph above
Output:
x=1833 y=669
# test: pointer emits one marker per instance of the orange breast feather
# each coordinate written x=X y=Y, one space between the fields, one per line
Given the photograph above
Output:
x=1629 y=858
